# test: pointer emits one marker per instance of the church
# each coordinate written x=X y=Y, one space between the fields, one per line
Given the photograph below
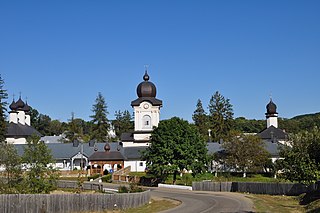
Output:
x=97 y=157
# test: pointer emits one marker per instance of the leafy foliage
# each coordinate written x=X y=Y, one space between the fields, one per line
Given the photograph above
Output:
x=220 y=116
x=3 y=104
x=75 y=129
x=40 y=176
x=200 y=119
x=11 y=162
x=302 y=157
x=175 y=146
x=245 y=153
x=99 y=119
x=122 y=123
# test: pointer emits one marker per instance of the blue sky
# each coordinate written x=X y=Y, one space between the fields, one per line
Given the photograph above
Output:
x=60 y=54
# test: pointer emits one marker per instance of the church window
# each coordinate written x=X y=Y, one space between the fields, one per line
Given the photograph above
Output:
x=147 y=122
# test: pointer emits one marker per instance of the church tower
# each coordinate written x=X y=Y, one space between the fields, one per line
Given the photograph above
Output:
x=272 y=115
x=146 y=110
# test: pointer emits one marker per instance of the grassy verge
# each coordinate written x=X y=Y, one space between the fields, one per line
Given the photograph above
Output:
x=309 y=203
x=279 y=204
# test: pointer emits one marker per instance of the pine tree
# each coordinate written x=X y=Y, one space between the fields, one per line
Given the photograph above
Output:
x=200 y=119
x=75 y=130
x=99 y=119
x=123 y=122
x=220 y=117
x=3 y=105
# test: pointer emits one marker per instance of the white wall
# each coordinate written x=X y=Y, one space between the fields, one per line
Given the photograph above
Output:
x=136 y=165
x=22 y=117
x=272 y=121
x=16 y=140
x=146 y=109
x=13 y=117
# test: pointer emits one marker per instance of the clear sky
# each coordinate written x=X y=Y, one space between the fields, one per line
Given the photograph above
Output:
x=60 y=54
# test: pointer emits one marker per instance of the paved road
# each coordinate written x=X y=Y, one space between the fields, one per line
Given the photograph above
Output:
x=202 y=202
x=205 y=202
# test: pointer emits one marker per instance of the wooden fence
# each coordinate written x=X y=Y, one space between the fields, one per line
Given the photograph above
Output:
x=56 y=203
x=255 y=187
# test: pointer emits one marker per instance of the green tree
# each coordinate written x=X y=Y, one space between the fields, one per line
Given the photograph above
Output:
x=200 y=119
x=75 y=129
x=99 y=119
x=245 y=153
x=11 y=162
x=3 y=105
x=40 y=177
x=123 y=122
x=301 y=158
x=220 y=117
x=175 y=145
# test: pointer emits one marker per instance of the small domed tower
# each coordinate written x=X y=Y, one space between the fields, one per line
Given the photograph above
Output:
x=272 y=115
x=13 y=114
x=146 y=109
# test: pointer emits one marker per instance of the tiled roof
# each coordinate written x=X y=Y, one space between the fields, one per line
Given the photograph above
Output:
x=273 y=133
x=18 y=129
x=106 y=156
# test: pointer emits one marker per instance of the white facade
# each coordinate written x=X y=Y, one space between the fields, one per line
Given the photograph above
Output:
x=272 y=121
x=16 y=140
x=146 y=116
x=136 y=166
x=21 y=117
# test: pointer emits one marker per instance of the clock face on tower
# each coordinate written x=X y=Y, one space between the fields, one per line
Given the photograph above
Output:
x=146 y=106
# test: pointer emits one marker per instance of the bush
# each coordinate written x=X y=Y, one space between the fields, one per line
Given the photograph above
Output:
x=123 y=189
x=95 y=176
x=107 y=178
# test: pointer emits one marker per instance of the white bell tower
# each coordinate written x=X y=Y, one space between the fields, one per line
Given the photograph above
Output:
x=146 y=110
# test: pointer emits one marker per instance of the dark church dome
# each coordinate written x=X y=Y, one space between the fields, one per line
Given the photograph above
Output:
x=20 y=104
x=13 y=106
x=271 y=107
x=146 y=88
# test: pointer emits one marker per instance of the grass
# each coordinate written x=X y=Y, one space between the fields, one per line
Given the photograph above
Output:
x=279 y=204
x=154 y=206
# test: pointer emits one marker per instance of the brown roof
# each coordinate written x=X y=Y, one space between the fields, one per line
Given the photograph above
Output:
x=106 y=156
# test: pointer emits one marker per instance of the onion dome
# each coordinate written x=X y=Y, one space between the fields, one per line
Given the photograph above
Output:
x=271 y=107
x=13 y=106
x=20 y=104
x=26 y=107
x=107 y=147
x=146 y=88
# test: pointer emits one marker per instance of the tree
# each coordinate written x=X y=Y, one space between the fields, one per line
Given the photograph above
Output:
x=245 y=153
x=301 y=158
x=99 y=119
x=200 y=119
x=123 y=122
x=40 y=176
x=220 y=116
x=175 y=146
x=75 y=130
x=11 y=161
x=3 y=105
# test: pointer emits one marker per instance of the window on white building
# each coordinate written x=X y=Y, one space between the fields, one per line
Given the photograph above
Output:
x=147 y=122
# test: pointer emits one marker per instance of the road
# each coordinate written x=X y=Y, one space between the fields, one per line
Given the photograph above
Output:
x=202 y=202
x=205 y=202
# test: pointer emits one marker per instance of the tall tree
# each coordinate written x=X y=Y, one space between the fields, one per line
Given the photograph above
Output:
x=40 y=176
x=220 y=117
x=245 y=153
x=11 y=162
x=301 y=158
x=175 y=146
x=3 y=105
x=200 y=119
x=99 y=119
x=123 y=122
x=75 y=130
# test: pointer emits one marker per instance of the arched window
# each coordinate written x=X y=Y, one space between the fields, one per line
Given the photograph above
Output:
x=146 y=122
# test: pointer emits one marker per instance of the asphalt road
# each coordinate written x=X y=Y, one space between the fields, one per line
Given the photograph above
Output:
x=205 y=202
x=201 y=201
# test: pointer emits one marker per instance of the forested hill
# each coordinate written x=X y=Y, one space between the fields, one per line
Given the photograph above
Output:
x=292 y=125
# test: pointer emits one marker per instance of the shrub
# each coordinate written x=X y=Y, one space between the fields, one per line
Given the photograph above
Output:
x=95 y=176
x=107 y=178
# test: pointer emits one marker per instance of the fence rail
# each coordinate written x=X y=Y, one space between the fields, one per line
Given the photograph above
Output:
x=61 y=203
x=56 y=203
x=255 y=187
